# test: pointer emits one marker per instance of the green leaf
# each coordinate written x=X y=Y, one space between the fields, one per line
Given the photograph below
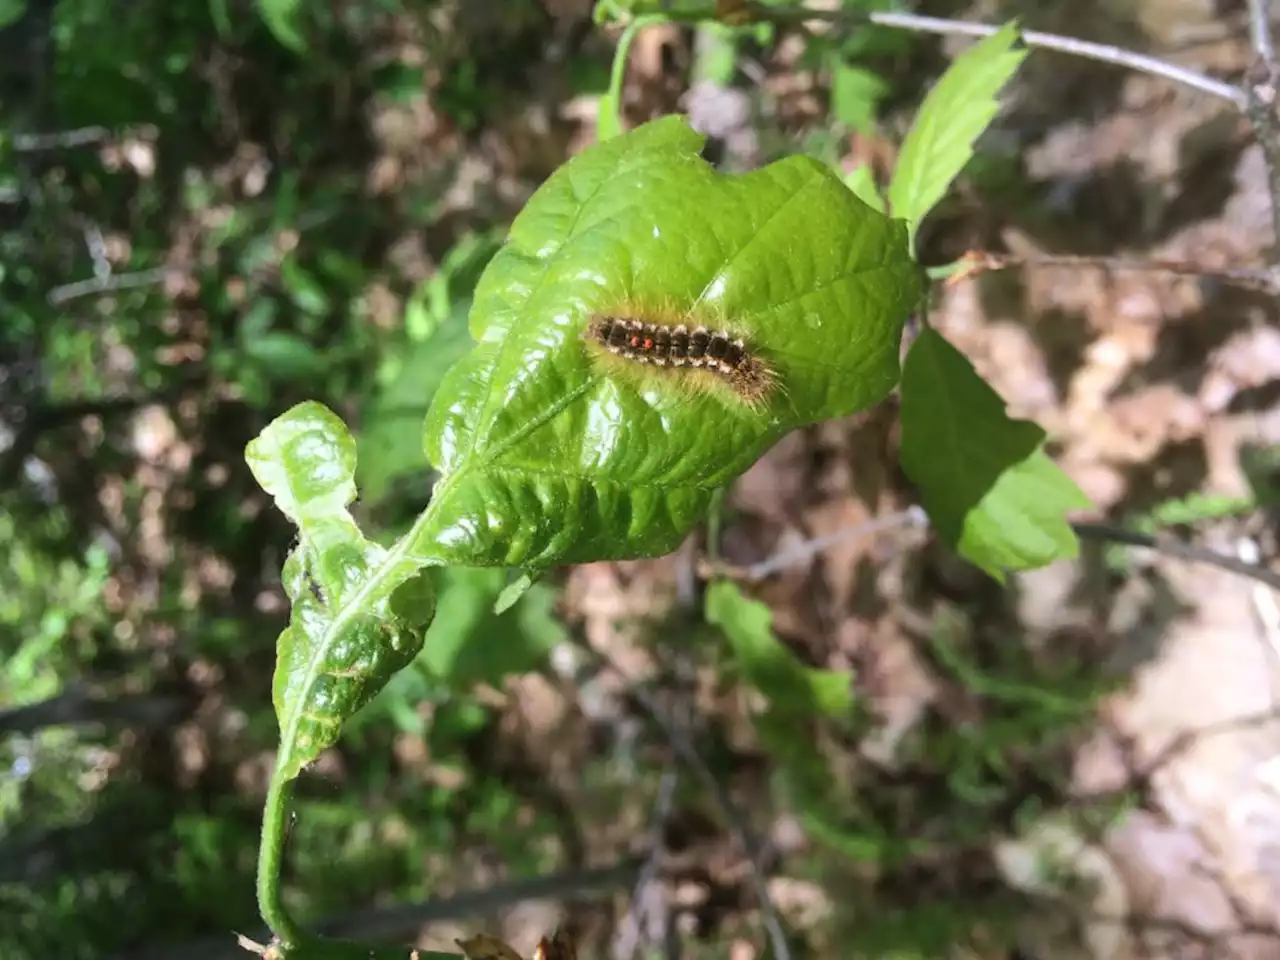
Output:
x=11 y=11
x=863 y=184
x=390 y=438
x=768 y=665
x=513 y=591
x=989 y=488
x=358 y=611
x=285 y=356
x=471 y=643
x=953 y=115
x=547 y=459
x=856 y=95
x=281 y=18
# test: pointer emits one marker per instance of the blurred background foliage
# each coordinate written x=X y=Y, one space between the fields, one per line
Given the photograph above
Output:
x=210 y=211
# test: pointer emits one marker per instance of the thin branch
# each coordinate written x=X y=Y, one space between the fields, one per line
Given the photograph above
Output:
x=1169 y=546
x=801 y=553
x=1101 y=52
x=1260 y=30
x=404 y=921
x=34 y=142
x=110 y=283
x=1260 y=92
x=742 y=834
x=627 y=941
x=77 y=708
x=1261 y=279
x=1172 y=547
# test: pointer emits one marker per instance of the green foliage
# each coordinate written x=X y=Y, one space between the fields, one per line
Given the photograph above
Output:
x=954 y=114
x=770 y=667
x=985 y=480
x=546 y=461
x=471 y=642
x=358 y=612
x=281 y=17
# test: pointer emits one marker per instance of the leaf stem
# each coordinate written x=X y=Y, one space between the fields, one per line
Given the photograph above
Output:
x=275 y=831
x=609 y=123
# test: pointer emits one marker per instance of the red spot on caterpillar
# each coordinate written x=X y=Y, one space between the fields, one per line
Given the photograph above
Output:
x=683 y=348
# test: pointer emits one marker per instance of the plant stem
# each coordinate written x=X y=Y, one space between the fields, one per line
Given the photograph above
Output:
x=275 y=830
x=1102 y=52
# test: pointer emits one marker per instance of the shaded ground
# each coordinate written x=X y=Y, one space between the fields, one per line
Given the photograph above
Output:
x=1119 y=718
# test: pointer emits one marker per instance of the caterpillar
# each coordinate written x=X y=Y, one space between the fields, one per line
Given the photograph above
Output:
x=695 y=351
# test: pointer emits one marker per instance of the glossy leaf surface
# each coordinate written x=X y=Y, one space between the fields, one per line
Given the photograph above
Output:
x=546 y=458
x=358 y=610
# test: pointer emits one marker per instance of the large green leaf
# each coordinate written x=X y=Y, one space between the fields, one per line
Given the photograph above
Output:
x=953 y=115
x=358 y=611
x=545 y=459
x=985 y=480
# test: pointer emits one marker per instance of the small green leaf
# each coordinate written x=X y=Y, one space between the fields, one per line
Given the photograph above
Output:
x=470 y=642
x=306 y=292
x=863 y=184
x=855 y=96
x=513 y=591
x=358 y=611
x=281 y=18
x=548 y=459
x=953 y=115
x=11 y=12
x=989 y=488
x=285 y=356
x=768 y=665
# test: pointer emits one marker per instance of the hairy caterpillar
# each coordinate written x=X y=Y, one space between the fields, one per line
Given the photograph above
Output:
x=700 y=357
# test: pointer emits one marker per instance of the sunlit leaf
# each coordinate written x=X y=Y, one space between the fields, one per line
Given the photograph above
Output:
x=547 y=459
x=954 y=114
x=989 y=488
x=358 y=611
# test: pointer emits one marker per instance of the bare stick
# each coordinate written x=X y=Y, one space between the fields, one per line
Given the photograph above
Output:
x=1101 y=52
x=1172 y=547
x=1261 y=279
x=1260 y=30
x=737 y=824
x=402 y=921
x=33 y=142
x=1260 y=104
x=627 y=941
x=1169 y=546
x=802 y=553
x=108 y=284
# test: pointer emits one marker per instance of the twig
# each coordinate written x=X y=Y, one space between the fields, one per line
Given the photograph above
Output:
x=1261 y=279
x=106 y=284
x=1260 y=105
x=403 y=921
x=802 y=553
x=76 y=708
x=33 y=142
x=1172 y=547
x=737 y=824
x=1260 y=30
x=627 y=941
x=1101 y=52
